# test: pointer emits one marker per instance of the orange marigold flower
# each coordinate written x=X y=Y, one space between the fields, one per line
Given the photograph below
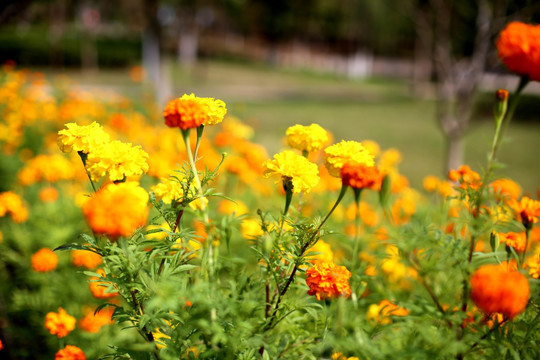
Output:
x=12 y=204
x=98 y=288
x=117 y=209
x=190 y=111
x=515 y=240
x=48 y=194
x=467 y=178
x=380 y=313
x=85 y=258
x=500 y=289
x=70 y=352
x=326 y=280
x=518 y=47
x=60 y=323
x=431 y=183
x=44 y=260
x=506 y=188
x=359 y=176
x=93 y=322
x=1 y=345
x=528 y=210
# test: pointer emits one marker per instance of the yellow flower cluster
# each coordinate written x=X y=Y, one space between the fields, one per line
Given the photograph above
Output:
x=118 y=159
x=303 y=174
x=50 y=168
x=327 y=280
x=337 y=155
x=306 y=138
x=190 y=111
x=82 y=138
x=12 y=204
x=168 y=190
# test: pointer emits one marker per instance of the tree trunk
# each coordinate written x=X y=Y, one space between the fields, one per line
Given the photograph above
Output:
x=455 y=152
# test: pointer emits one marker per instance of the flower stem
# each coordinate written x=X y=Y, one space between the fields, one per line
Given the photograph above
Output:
x=185 y=134
x=83 y=157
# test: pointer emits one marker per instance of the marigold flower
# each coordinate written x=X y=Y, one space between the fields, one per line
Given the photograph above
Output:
x=119 y=159
x=515 y=240
x=327 y=280
x=499 y=289
x=306 y=138
x=506 y=188
x=85 y=258
x=93 y=322
x=431 y=183
x=191 y=111
x=168 y=190
x=303 y=174
x=533 y=263
x=48 y=194
x=467 y=178
x=81 y=138
x=98 y=288
x=44 y=260
x=117 y=209
x=528 y=209
x=70 y=352
x=381 y=313
x=12 y=204
x=518 y=48
x=359 y=176
x=321 y=251
x=60 y=323
x=337 y=155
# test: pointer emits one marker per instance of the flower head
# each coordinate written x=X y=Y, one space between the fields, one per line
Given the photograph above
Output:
x=327 y=280
x=515 y=240
x=498 y=289
x=60 y=323
x=339 y=154
x=117 y=209
x=519 y=49
x=92 y=322
x=191 y=111
x=70 y=352
x=528 y=209
x=380 y=313
x=44 y=260
x=98 y=288
x=306 y=138
x=359 y=176
x=118 y=159
x=12 y=204
x=466 y=177
x=85 y=258
x=81 y=138
x=506 y=188
x=303 y=174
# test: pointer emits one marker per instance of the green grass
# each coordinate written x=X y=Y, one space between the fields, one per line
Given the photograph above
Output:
x=271 y=100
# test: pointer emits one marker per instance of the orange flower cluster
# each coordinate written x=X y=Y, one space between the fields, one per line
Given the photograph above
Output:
x=506 y=188
x=468 y=179
x=499 y=289
x=117 y=209
x=44 y=260
x=99 y=288
x=86 y=259
x=381 y=313
x=11 y=203
x=94 y=322
x=70 y=352
x=515 y=240
x=326 y=280
x=528 y=209
x=60 y=324
x=519 y=49
x=360 y=176
x=190 y=112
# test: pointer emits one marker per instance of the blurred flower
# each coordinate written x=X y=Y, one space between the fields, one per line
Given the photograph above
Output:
x=381 y=313
x=359 y=176
x=527 y=209
x=431 y=183
x=235 y=208
x=251 y=228
x=11 y=203
x=50 y=168
x=340 y=356
x=48 y=194
x=70 y=352
x=533 y=263
x=117 y=209
x=306 y=138
x=339 y=154
x=506 y=188
x=498 y=289
x=81 y=138
x=466 y=177
x=321 y=251
x=168 y=190
x=119 y=159
x=60 y=323
x=44 y=260
x=98 y=288
x=326 y=280
x=519 y=49
x=303 y=174
x=515 y=240
x=190 y=111
x=93 y=322
x=137 y=73
x=85 y=258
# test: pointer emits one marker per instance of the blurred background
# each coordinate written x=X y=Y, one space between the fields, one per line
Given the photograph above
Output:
x=415 y=75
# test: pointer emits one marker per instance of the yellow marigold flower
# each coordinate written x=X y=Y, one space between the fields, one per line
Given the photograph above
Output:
x=44 y=260
x=306 y=138
x=326 y=280
x=229 y=207
x=533 y=263
x=50 y=168
x=321 y=251
x=339 y=154
x=70 y=352
x=119 y=159
x=98 y=288
x=372 y=147
x=191 y=111
x=92 y=322
x=12 y=204
x=168 y=190
x=380 y=313
x=303 y=174
x=60 y=323
x=117 y=209
x=251 y=228
x=85 y=258
x=81 y=138
x=431 y=183
x=390 y=159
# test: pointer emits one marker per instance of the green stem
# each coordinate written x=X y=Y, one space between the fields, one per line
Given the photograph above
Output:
x=185 y=134
x=83 y=157
x=200 y=130
x=357 y=193
x=524 y=254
